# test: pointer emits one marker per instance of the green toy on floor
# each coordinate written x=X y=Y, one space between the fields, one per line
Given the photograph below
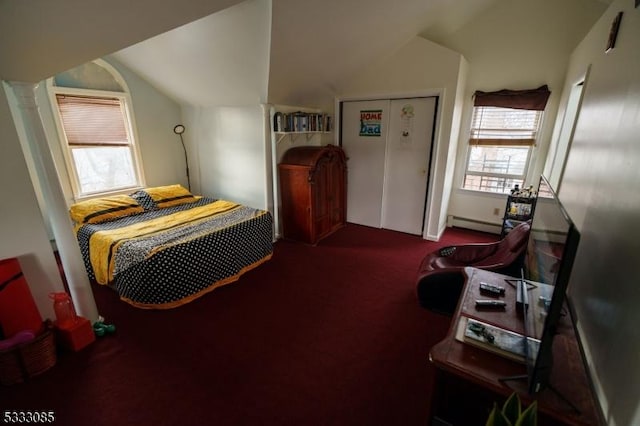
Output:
x=100 y=328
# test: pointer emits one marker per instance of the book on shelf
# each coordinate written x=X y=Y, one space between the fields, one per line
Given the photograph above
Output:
x=327 y=124
x=278 y=125
x=301 y=122
x=502 y=342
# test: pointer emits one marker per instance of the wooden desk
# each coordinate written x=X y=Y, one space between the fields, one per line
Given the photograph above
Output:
x=464 y=368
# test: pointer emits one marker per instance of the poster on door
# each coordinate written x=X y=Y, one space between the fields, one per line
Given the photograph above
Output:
x=406 y=125
x=371 y=122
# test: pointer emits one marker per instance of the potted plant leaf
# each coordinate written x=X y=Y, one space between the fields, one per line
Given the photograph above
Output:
x=511 y=413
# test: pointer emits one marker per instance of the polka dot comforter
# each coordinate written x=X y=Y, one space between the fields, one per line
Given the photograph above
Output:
x=168 y=265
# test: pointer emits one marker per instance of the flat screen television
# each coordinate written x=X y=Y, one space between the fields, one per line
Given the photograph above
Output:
x=548 y=259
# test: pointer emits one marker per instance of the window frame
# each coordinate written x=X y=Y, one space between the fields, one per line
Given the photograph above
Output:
x=470 y=145
x=136 y=157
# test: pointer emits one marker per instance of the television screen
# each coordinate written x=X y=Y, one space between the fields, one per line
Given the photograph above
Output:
x=549 y=256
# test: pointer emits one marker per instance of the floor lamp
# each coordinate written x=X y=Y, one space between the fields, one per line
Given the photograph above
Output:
x=179 y=130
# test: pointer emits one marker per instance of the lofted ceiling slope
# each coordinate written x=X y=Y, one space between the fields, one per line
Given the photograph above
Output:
x=314 y=48
x=39 y=38
x=318 y=46
x=221 y=59
x=228 y=52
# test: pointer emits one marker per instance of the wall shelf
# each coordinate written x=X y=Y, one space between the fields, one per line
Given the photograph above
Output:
x=294 y=135
x=301 y=122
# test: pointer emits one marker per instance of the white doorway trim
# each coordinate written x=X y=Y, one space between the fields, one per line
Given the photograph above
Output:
x=560 y=146
x=431 y=217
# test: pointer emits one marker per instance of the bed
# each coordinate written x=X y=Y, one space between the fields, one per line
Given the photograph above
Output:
x=162 y=247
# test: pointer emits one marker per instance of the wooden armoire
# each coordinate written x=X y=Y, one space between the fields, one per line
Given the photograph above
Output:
x=313 y=192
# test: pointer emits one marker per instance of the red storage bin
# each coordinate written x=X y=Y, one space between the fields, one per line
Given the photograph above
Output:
x=75 y=336
x=18 y=310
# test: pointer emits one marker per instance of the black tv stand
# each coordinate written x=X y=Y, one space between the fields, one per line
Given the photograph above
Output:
x=514 y=282
x=522 y=287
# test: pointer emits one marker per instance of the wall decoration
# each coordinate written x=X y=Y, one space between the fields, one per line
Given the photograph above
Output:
x=406 y=124
x=613 y=32
x=371 y=122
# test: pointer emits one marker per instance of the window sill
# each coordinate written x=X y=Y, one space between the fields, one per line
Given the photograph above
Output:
x=126 y=191
x=474 y=192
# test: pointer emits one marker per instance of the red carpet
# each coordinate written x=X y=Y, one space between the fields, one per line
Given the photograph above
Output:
x=325 y=335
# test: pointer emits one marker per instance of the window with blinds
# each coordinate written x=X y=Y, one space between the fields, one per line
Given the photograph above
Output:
x=500 y=144
x=99 y=145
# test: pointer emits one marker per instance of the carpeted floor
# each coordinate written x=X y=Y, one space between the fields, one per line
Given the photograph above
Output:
x=324 y=335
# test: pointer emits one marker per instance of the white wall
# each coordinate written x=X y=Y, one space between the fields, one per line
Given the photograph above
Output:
x=156 y=114
x=420 y=67
x=217 y=68
x=22 y=229
x=601 y=191
x=563 y=131
x=516 y=45
x=227 y=132
x=232 y=156
x=449 y=183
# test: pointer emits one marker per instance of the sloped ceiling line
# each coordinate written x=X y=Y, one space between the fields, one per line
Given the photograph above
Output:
x=292 y=52
x=314 y=48
x=41 y=38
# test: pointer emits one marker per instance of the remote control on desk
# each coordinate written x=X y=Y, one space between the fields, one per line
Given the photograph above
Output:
x=490 y=304
x=492 y=289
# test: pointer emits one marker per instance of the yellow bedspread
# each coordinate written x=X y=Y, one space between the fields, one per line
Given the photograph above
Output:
x=104 y=244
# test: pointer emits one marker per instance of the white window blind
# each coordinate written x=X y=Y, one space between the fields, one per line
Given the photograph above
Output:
x=496 y=126
x=93 y=121
x=100 y=149
x=500 y=147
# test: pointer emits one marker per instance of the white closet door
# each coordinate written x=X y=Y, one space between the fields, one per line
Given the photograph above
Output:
x=363 y=136
x=408 y=153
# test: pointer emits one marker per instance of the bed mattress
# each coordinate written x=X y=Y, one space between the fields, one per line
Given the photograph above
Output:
x=166 y=257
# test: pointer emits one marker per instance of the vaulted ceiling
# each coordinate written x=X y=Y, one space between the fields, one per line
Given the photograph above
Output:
x=221 y=52
x=221 y=59
x=39 y=38
x=333 y=40
x=314 y=46
x=311 y=47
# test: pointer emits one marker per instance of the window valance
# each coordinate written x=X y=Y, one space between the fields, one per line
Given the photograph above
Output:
x=532 y=99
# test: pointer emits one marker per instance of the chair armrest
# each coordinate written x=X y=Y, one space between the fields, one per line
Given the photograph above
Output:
x=471 y=253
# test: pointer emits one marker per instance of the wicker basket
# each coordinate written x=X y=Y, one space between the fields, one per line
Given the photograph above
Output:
x=28 y=359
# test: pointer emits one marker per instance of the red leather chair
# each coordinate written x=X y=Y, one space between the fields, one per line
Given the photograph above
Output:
x=490 y=256
x=440 y=277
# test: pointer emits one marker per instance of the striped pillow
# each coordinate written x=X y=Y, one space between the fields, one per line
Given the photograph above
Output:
x=104 y=208
x=171 y=195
